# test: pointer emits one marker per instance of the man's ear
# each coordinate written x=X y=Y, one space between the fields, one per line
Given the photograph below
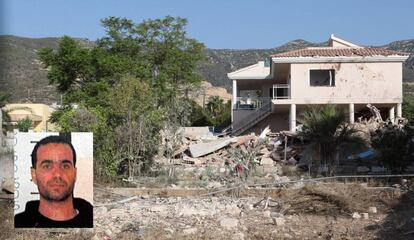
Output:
x=76 y=173
x=33 y=173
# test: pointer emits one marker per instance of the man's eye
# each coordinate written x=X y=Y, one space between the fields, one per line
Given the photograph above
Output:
x=66 y=166
x=46 y=166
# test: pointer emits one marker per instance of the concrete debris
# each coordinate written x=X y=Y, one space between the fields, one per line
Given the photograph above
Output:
x=267 y=152
x=278 y=219
x=365 y=216
x=280 y=152
x=375 y=112
x=264 y=133
x=229 y=223
x=266 y=213
x=372 y=209
x=190 y=231
x=356 y=215
x=201 y=149
x=266 y=161
x=238 y=236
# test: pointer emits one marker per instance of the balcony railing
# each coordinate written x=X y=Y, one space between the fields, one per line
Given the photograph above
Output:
x=281 y=91
x=250 y=103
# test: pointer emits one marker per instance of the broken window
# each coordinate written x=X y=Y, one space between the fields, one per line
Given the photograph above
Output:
x=322 y=78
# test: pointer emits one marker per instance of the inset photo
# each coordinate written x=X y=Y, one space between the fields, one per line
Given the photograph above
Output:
x=53 y=180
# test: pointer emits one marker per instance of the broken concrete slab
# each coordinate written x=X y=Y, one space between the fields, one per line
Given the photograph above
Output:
x=264 y=133
x=202 y=149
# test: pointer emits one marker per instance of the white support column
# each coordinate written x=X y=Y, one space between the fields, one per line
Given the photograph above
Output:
x=234 y=94
x=391 y=114
x=351 y=113
x=399 y=110
x=292 y=118
x=234 y=100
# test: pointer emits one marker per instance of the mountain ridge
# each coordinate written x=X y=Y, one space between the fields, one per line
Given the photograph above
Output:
x=24 y=77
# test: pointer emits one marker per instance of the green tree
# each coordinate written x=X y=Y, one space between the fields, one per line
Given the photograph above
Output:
x=198 y=116
x=326 y=129
x=136 y=122
x=219 y=113
x=214 y=105
x=408 y=107
x=125 y=85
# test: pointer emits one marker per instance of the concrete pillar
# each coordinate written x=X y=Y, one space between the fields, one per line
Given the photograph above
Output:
x=399 y=110
x=234 y=94
x=351 y=113
x=292 y=118
x=234 y=99
x=391 y=114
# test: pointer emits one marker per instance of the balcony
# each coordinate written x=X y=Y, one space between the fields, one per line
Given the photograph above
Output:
x=250 y=103
x=281 y=91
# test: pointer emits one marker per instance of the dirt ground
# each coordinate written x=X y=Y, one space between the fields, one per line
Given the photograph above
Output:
x=311 y=211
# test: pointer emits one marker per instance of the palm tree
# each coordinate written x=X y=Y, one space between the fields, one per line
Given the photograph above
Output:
x=215 y=105
x=327 y=129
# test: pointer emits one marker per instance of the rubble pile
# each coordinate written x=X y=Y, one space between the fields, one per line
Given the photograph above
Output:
x=269 y=150
x=301 y=214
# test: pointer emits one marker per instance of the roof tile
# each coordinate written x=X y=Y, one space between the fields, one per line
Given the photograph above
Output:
x=338 y=52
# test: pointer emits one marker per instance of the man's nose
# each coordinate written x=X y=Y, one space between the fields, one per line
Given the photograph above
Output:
x=57 y=171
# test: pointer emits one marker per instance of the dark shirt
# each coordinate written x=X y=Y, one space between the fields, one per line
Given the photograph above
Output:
x=31 y=218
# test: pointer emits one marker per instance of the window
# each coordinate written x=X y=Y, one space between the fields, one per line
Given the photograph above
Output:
x=322 y=78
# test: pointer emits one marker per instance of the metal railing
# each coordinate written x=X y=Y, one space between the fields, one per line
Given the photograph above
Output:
x=281 y=91
x=250 y=103
x=254 y=117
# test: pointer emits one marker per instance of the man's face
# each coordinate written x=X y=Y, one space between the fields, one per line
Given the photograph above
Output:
x=55 y=173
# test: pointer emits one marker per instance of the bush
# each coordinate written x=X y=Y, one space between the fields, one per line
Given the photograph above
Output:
x=24 y=124
x=393 y=143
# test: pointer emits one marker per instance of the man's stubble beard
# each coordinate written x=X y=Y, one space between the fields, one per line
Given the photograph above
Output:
x=47 y=194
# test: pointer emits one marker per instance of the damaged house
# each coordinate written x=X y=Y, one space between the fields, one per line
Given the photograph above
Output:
x=275 y=91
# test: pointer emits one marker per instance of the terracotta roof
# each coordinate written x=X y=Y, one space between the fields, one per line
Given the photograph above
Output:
x=338 y=52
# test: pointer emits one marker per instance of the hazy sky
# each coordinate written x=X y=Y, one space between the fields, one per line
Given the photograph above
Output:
x=236 y=24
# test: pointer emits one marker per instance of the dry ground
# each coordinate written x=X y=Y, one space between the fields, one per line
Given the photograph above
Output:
x=317 y=211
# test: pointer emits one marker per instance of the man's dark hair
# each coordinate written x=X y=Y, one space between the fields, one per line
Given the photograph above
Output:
x=52 y=139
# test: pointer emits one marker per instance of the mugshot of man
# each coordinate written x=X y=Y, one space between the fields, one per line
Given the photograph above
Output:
x=54 y=172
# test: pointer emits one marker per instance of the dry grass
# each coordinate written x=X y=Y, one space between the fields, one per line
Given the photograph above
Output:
x=327 y=199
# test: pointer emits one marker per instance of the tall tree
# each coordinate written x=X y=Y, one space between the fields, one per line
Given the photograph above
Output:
x=127 y=81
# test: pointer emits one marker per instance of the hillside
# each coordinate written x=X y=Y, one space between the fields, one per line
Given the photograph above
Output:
x=23 y=76
x=222 y=61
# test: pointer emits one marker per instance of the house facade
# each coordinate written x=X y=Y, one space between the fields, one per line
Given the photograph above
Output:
x=38 y=113
x=275 y=91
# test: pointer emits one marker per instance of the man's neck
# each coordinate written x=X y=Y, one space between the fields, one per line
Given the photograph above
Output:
x=58 y=211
